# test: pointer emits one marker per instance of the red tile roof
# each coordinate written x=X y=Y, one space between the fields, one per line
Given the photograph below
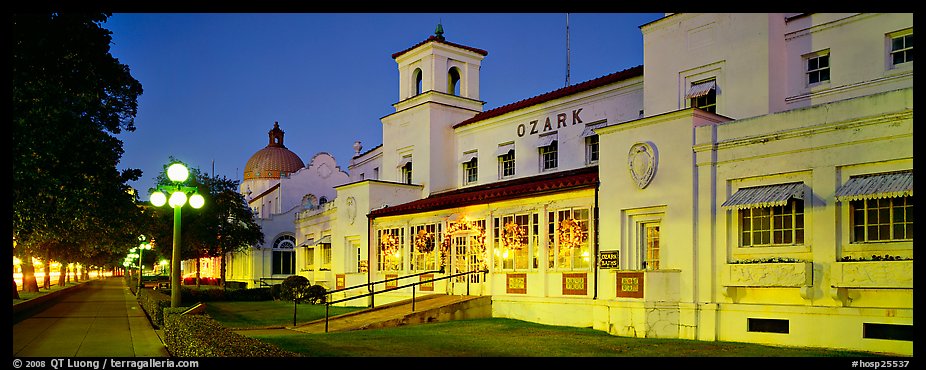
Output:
x=556 y=94
x=582 y=178
x=442 y=41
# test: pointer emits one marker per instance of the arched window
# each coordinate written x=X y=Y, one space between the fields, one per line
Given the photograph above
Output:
x=453 y=81
x=418 y=85
x=284 y=255
x=322 y=200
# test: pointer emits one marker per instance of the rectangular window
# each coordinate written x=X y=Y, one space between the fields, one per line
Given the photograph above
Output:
x=591 y=149
x=650 y=244
x=326 y=255
x=548 y=157
x=425 y=239
x=768 y=325
x=902 y=49
x=407 y=173
x=885 y=219
x=703 y=95
x=376 y=173
x=390 y=251
x=284 y=262
x=887 y=331
x=515 y=241
x=772 y=226
x=818 y=68
x=470 y=173
x=506 y=164
x=568 y=239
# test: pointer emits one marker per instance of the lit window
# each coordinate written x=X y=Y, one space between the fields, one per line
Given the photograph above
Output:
x=391 y=242
x=902 y=49
x=425 y=239
x=818 y=69
x=516 y=241
x=568 y=239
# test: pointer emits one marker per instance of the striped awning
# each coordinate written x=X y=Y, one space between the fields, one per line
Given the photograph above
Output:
x=546 y=140
x=700 y=89
x=882 y=185
x=405 y=160
x=324 y=240
x=504 y=149
x=590 y=128
x=468 y=157
x=765 y=196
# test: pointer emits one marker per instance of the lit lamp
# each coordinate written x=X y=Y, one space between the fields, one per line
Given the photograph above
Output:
x=142 y=246
x=177 y=173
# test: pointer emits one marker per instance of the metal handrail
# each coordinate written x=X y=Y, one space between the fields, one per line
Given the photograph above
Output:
x=328 y=303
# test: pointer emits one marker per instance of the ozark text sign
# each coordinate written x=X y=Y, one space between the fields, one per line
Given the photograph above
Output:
x=609 y=259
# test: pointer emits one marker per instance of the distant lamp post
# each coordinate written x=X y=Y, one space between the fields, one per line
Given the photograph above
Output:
x=178 y=174
x=143 y=245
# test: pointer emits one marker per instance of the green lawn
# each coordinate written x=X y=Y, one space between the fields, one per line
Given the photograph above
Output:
x=494 y=337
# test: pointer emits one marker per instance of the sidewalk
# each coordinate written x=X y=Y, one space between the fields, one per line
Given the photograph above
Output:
x=103 y=319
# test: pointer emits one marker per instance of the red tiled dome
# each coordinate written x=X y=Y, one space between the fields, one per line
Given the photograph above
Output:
x=274 y=160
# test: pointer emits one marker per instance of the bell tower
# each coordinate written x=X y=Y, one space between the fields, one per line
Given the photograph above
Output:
x=438 y=88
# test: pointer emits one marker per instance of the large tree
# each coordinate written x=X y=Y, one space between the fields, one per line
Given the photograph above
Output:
x=70 y=97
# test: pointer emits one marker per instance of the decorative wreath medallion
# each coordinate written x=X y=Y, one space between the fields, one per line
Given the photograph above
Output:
x=389 y=243
x=513 y=237
x=424 y=241
x=571 y=234
x=642 y=161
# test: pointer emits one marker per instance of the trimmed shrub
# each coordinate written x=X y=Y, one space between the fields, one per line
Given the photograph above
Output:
x=253 y=294
x=201 y=336
x=153 y=302
x=295 y=288
x=317 y=294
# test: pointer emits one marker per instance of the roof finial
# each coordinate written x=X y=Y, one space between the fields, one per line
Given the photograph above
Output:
x=439 y=32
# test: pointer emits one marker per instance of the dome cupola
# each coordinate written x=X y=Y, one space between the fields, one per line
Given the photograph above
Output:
x=274 y=160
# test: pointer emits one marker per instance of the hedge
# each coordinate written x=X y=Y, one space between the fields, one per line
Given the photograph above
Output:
x=189 y=335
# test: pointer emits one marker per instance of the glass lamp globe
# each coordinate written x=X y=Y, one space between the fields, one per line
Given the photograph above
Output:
x=158 y=199
x=177 y=172
x=197 y=201
x=177 y=199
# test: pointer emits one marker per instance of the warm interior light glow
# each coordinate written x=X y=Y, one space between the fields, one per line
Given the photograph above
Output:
x=17 y=261
x=158 y=199
x=177 y=172
x=197 y=201
x=177 y=199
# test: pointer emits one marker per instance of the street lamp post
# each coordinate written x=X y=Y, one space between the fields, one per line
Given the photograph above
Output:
x=177 y=173
x=142 y=246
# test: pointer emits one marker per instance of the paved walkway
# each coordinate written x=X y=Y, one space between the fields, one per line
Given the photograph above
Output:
x=103 y=319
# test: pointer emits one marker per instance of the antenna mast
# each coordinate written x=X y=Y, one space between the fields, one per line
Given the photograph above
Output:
x=567 y=49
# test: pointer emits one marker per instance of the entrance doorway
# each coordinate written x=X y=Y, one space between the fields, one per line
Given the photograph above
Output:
x=467 y=253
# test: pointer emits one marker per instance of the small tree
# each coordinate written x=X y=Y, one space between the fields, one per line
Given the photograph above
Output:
x=296 y=289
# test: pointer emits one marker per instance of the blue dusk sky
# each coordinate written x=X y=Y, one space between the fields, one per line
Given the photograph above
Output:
x=214 y=83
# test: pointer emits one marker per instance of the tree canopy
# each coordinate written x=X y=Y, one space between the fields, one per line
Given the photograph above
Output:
x=70 y=97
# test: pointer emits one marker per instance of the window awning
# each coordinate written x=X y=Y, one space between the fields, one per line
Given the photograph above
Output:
x=307 y=243
x=765 y=196
x=468 y=157
x=546 y=140
x=883 y=185
x=405 y=160
x=324 y=240
x=700 y=89
x=504 y=149
x=590 y=129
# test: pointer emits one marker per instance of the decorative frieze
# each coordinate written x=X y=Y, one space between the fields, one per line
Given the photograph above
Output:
x=873 y=274
x=794 y=274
